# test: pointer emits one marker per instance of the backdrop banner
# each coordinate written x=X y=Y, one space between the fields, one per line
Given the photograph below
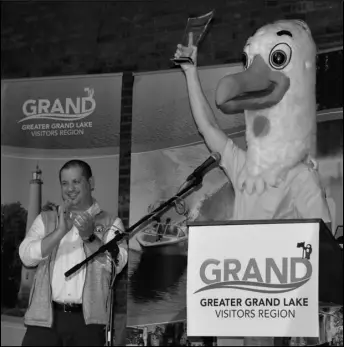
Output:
x=45 y=123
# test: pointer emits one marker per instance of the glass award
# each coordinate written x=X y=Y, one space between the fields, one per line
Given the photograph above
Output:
x=198 y=26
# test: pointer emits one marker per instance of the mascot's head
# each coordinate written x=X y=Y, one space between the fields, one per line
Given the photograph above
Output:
x=277 y=93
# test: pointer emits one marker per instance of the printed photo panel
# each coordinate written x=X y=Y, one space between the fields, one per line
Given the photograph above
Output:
x=166 y=148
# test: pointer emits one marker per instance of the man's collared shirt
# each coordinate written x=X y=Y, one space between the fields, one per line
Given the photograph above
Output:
x=69 y=253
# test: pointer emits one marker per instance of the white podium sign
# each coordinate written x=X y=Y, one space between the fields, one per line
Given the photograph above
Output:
x=253 y=280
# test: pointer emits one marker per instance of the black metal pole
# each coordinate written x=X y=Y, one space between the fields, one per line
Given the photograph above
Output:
x=110 y=327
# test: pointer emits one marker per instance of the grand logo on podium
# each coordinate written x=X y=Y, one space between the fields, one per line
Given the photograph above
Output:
x=233 y=273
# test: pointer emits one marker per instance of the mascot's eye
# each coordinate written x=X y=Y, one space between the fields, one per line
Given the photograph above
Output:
x=280 y=56
x=245 y=60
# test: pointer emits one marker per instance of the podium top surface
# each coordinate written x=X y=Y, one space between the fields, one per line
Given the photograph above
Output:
x=258 y=221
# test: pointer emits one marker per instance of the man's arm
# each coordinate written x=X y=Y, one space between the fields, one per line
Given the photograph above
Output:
x=50 y=241
x=232 y=157
x=64 y=224
x=30 y=248
x=36 y=245
x=203 y=114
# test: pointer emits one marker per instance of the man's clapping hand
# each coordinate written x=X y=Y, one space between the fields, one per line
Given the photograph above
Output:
x=64 y=221
x=84 y=222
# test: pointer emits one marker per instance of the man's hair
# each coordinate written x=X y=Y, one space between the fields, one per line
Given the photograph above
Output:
x=86 y=169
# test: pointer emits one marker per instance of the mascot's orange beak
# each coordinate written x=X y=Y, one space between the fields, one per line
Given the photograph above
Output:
x=256 y=88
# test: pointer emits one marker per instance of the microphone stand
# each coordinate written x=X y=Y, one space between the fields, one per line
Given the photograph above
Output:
x=110 y=329
x=113 y=249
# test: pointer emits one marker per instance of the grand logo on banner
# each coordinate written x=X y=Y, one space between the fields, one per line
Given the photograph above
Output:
x=68 y=111
x=42 y=108
x=81 y=112
x=263 y=279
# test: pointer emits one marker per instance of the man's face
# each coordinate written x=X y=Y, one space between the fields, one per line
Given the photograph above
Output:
x=76 y=188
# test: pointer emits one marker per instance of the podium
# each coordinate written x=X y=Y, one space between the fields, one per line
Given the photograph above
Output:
x=275 y=274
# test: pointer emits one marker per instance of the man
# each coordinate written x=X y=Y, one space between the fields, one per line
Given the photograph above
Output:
x=70 y=311
x=296 y=194
x=158 y=227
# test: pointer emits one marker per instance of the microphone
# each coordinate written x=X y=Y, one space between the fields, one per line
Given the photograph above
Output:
x=115 y=229
x=118 y=233
x=214 y=158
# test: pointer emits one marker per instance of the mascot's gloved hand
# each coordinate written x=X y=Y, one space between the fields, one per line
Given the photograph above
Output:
x=190 y=52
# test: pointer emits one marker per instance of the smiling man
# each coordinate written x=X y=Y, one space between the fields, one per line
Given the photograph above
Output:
x=70 y=311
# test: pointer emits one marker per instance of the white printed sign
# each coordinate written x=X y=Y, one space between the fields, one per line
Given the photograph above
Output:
x=253 y=280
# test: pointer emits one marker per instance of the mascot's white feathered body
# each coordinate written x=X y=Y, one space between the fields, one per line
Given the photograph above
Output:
x=277 y=93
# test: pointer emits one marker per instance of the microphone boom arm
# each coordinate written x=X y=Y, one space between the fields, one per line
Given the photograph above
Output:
x=111 y=245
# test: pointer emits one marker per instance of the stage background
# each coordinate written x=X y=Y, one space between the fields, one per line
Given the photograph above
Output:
x=73 y=38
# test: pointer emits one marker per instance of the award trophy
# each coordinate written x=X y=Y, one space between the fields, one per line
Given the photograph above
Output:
x=198 y=26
